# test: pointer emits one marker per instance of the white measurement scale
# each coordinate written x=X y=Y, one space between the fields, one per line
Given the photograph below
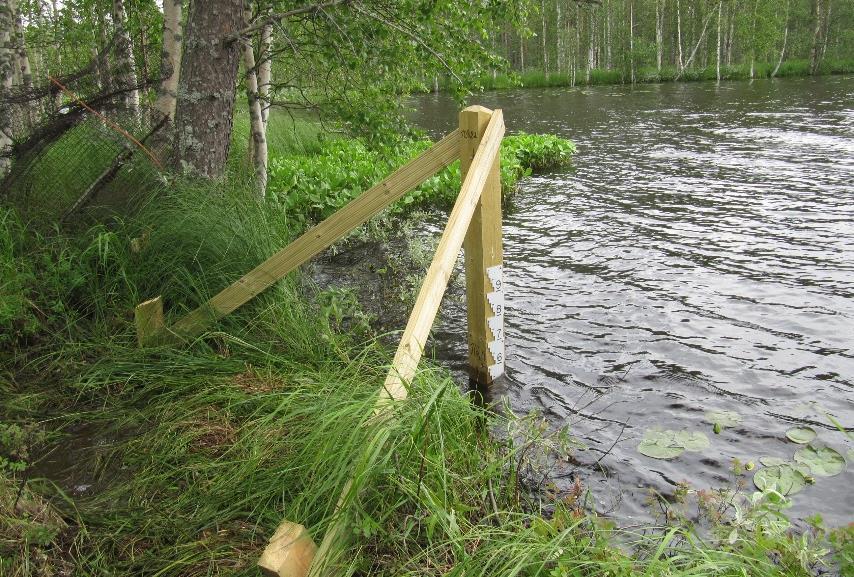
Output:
x=496 y=322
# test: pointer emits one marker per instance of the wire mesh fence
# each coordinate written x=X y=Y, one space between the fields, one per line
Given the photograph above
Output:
x=78 y=149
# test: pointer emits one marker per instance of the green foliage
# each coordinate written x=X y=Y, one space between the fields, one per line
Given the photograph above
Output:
x=314 y=186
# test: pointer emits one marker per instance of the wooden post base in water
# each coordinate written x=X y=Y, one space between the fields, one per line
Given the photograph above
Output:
x=289 y=553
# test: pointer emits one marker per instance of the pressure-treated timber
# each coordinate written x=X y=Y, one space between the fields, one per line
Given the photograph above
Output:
x=483 y=258
x=358 y=211
x=148 y=317
x=411 y=347
x=436 y=281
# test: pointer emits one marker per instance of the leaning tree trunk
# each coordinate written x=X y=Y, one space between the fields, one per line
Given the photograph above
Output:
x=7 y=74
x=785 y=40
x=206 y=87
x=125 y=66
x=170 y=59
x=816 y=37
x=256 y=117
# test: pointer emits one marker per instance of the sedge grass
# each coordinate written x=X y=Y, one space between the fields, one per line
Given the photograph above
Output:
x=213 y=444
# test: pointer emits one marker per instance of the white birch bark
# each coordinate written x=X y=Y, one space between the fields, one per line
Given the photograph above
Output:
x=266 y=72
x=785 y=40
x=7 y=74
x=591 y=47
x=718 y=51
x=659 y=35
x=679 y=36
x=170 y=59
x=632 y=38
x=256 y=118
x=125 y=64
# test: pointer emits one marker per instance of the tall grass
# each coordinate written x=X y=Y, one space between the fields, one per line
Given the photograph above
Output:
x=535 y=78
x=209 y=446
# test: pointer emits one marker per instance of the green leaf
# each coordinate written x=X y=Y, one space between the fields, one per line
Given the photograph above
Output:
x=723 y=419
x=822 y=461
x=693 y=441
x=784 y=479
x=670 y=444
x=772 y=461
x=801 y=435
x=660 y=445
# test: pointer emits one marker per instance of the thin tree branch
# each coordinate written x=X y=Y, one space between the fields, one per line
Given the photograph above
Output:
x=274 y=18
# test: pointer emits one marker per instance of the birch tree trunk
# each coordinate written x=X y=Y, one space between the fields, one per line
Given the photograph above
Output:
x=591 y=47
x=659 y=35
x=816 y=37
x=753 y=40
x=206 y=87
x=679 y=36
x=266 y=72
x=826 y=32
x=7 y=72
x=699 y=40
x=632 y=38
x=256 y=117
x=718 y=51
x=545 y=47
x=104 y=74
x=170 y=59
x=785 y=40
x=559 y=37
x=23 y=62
x=57 y=99
x=608 y=34
x=125 y=68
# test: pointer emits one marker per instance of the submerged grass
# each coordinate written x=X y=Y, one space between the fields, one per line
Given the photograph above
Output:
x=213 y=444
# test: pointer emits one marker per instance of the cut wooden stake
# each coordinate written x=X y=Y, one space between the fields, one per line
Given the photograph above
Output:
x=358 y=211
x=403 y=369
x=483 y=258
x=148 y=317
x=289 y=552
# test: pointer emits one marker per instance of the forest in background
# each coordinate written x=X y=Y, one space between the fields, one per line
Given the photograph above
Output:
x=645 y=40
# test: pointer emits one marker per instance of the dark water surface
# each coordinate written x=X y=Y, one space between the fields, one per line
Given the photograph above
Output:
x=699 y=256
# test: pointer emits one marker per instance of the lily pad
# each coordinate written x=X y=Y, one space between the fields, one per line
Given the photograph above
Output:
x=772 y=461
x=693 y=441
x=801 y=435
x=723 y=419
x=822 y=461
x=660 y=445
x=784 y=479
x=670 y=444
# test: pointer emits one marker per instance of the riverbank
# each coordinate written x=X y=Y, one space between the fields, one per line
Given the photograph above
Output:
x=191 y=457
x=650 y=75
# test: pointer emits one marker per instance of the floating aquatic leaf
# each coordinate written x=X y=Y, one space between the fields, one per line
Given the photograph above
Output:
x=693 y=441
x=822 y=461
x=784 y=479
x=801 y=435
x=723 y=419
x=772 y=461
x=669 y=444
x=851 y=454
x=660 y=445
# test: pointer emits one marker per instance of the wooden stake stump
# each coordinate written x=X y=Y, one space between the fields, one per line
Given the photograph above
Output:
x=148 y=317
x=483 y=258
x=289 y=553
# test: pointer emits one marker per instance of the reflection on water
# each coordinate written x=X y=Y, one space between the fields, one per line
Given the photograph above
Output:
x=699 y=256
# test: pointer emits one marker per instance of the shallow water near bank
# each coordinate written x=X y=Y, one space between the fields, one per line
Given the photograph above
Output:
x=698 y=256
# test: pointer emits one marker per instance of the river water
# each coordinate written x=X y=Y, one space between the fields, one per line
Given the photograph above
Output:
x=697 y=256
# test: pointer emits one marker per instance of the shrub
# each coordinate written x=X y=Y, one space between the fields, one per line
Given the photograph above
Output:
x=312 y=187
